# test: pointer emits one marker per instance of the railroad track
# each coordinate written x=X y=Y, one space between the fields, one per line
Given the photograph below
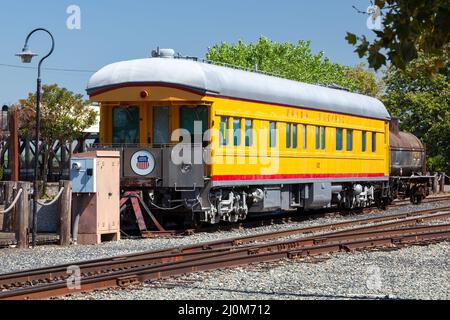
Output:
x=399 y=203
x=394 y=230
x=260 y=221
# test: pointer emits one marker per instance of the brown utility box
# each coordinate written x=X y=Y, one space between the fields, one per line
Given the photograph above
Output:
x=96 y=195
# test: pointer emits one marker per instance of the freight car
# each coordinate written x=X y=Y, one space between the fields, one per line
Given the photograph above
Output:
x=408 y=177
x=215 y=143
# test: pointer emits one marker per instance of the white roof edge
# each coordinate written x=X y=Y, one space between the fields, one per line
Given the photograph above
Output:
x=224 y=81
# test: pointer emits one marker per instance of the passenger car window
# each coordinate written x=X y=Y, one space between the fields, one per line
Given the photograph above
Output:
x=223 y=131
x=322 y=131
x=364 y=141
x=272 y=134
x=161 y=125
x=317 y=138
x=294 y=136
x=248 y=132
x=338 y=139
x=349 y=140
x=237 y=131
x=125 y=125
x=288 y=135
x=304 y=137
x=374 y=142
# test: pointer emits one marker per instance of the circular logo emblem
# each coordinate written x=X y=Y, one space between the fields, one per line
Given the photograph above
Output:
x=142 y=163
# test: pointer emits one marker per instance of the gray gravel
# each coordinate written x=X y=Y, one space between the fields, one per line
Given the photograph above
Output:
x=12 y=259
x=19 y=259
x=419 y=272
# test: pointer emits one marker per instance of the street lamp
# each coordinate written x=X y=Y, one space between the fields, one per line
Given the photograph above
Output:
x=26 y=56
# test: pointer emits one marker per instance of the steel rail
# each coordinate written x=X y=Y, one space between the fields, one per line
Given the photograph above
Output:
x=47 y=274
x=240 y=256
x=252 y=222
x=426 y=200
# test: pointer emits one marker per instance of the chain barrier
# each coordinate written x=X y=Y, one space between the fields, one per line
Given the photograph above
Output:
x=11 y=206
x=46 y=204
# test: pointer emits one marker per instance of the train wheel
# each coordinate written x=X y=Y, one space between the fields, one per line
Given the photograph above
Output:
x=416 y=199
x=382 y=203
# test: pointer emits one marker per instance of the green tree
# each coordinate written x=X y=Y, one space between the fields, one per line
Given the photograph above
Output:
x=295 y=62
x=422 y=103
x=64 y=117
x=409 y=26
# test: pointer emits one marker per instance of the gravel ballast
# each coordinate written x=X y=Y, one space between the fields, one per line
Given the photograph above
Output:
x=424 y=270
x=418 y=272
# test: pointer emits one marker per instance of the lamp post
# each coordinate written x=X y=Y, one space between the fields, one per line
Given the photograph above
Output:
x=26 y=56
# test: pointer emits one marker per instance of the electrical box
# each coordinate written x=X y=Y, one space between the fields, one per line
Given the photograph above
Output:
x=96 y=195
x=82 y=175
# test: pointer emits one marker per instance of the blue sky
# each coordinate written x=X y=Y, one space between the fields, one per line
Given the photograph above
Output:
x=113 y=30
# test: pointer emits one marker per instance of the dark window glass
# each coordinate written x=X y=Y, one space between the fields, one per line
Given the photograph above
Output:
x=374 y=142
x=288 y=135
x=294 y=136
x=304 y=136
x=338 y=139
x=161 y=125
x=125 y=126
x=237 y=131
x=322 y=133
x=223 y=130
x=195 y=120
x=317 y=138
x=248 y=133
x=272 y=134
x=364 y=141
x=349 y=140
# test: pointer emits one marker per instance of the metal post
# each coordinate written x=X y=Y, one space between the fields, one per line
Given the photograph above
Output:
x=26 y=57
x=436 y=183
x=65 y=211
x=23 y=210
x=442 y=183
x=36 y=157
x=14 y=144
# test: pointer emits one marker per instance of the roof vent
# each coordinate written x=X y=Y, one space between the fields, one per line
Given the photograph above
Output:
x=163 y=53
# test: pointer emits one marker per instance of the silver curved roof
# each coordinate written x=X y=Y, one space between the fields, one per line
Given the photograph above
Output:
x=217 y=80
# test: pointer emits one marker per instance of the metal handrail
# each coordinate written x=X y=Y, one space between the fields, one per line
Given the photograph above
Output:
x=46 y=204
x=11 y=206
x=228 y=65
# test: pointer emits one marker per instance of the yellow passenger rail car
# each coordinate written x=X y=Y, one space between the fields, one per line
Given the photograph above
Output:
x=216 y=143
